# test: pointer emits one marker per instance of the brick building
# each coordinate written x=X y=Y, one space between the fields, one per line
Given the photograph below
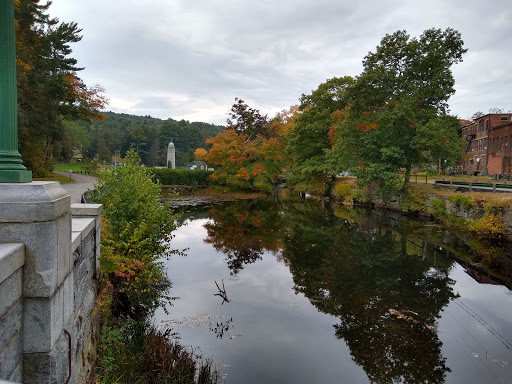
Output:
x=489 y=148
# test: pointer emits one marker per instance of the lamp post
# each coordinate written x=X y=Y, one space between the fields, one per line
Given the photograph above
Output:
x=477 y=162
x=12 y=169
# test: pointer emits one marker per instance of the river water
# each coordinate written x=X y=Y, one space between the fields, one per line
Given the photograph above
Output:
x=291 y=291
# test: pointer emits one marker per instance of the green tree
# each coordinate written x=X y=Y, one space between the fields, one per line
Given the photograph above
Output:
x=246 y=120
x=441 y=141
x=104 y=153
x=48 y=89
x=136 y=133
x=308 y=141
x=405 y=83
x=79 y=136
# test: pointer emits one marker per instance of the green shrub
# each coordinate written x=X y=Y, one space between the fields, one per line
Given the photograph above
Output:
x=456 y=222
x=489 y=227
x=343 y=191
x=415 y=200
x=465 y=202
x=495 y=207
x=438 y=208
x=192 y=177
x=312 y=186
x=136 y=234
x=358 y=195
x=261 y=184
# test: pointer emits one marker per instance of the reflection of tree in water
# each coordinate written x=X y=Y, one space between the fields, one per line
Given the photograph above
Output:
x=244 y=231
x=358 y=275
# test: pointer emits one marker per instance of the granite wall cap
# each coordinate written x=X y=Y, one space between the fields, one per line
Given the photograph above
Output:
x=32 y=202
x=78 y=209
x=12 y=258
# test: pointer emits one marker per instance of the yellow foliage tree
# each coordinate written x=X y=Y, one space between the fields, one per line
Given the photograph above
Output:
x=200 y=153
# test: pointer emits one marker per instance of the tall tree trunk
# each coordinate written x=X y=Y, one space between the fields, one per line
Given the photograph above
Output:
x=439 y=167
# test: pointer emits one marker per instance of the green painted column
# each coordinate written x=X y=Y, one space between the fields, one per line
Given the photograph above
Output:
x=12 y=169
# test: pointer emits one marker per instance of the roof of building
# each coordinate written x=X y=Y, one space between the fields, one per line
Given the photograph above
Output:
x=197 y=164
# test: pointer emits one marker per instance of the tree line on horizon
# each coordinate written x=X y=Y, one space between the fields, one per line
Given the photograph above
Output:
x=149 y=136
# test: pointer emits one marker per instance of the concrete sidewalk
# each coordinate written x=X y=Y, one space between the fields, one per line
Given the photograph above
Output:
x=82 y=184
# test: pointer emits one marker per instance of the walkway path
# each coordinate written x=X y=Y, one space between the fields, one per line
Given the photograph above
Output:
x=82 y=184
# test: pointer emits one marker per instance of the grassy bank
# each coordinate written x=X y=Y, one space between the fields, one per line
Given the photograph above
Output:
x=54 y=177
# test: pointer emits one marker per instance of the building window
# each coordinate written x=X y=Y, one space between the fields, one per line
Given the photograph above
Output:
x=501 y=143
x=487 y=124
x=506 y=143
x=504 y=118
x=485 y=142
x=481 y=126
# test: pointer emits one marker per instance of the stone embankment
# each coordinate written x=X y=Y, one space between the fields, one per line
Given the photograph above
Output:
x=452 y=207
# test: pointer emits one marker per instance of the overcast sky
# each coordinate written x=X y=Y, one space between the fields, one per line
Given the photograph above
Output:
x=189 y=59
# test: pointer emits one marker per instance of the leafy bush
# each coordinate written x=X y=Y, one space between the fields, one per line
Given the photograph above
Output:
x=489 y=227
x=438 y=208
x=343 y=191
x=456 y=222
x=414 y=199
x=193 y=177
x=465 y=202
x=314 y=185
x=495 y=207
x=137 y=232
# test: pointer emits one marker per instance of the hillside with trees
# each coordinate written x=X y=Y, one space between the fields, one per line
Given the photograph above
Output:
x=149 y=136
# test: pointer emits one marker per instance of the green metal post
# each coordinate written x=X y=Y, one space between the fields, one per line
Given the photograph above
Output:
x=12 y=169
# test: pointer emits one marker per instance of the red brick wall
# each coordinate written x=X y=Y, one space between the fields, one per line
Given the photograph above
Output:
x=495 y=165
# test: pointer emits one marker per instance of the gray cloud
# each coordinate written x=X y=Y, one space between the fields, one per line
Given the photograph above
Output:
x=190 y=59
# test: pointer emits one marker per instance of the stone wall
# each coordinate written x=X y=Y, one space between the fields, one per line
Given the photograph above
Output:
x=12 y=259
x=395 y=202
x=48 y=284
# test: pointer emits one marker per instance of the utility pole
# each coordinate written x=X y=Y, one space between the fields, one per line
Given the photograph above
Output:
x=12 y=169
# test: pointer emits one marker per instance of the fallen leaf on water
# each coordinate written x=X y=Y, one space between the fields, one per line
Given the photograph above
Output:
x=501 y=363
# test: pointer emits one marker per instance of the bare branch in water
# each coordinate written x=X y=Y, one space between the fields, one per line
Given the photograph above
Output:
x=222 y=292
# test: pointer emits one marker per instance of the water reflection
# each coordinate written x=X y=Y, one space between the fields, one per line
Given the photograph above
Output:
x=384 y=279
x=244 y=231
x=362 y=276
